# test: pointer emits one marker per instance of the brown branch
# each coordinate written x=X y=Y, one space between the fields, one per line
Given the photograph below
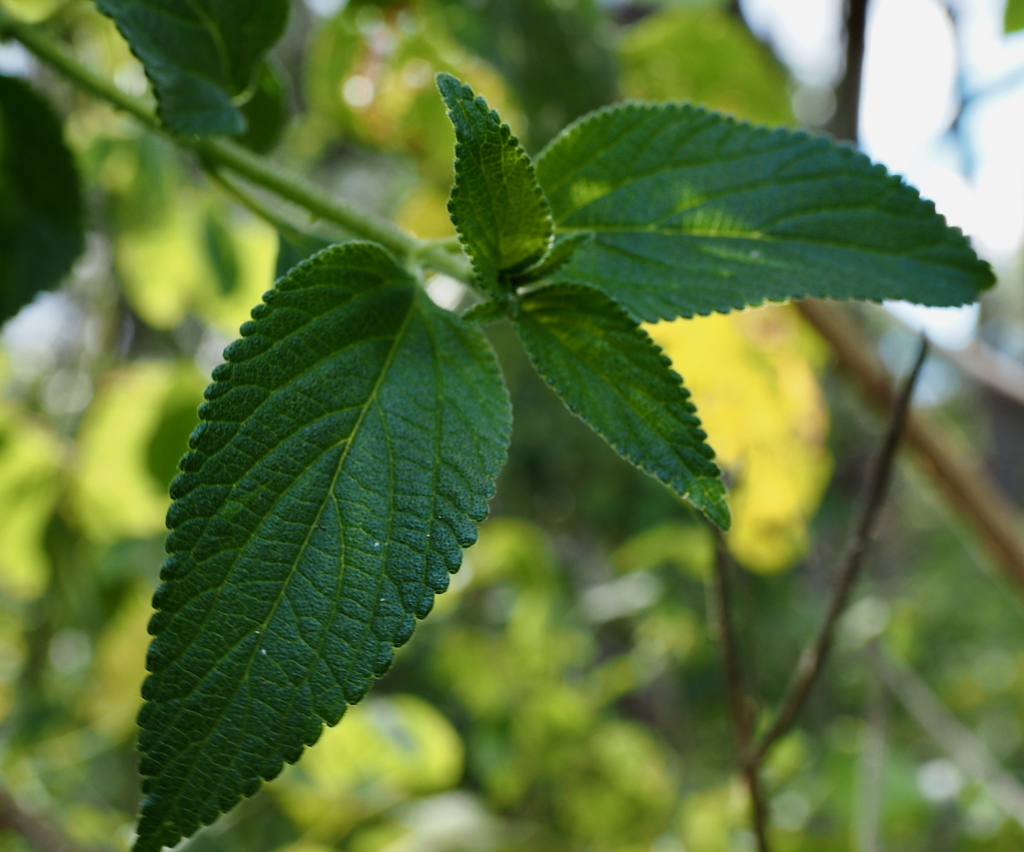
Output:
x=40 y=835
x=962 y=478
x=739 y=706
x=844 y=122
x=813 y=657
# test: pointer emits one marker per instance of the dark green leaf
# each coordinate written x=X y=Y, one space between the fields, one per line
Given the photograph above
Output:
x=346 y=451
x=496 y=204
x=693 y=212
x=561 y=252
x=41 y=230
x=266 y=112
x=612 y=375
x=1013 y=19
x=199 y=54
x=221 y=250
x=555 y=54
x=294 y=247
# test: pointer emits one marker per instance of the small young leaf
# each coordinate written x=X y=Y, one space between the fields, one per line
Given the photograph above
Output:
x=693 y=212
x=561 y=252
x=496 y=204
x=612 y=375
x=199 y=55
x=41 y=230
x=346 y=450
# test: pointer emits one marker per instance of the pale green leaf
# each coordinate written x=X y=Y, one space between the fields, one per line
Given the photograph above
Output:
x=346 y=451
x=693 y=212
x=614 y=377
x=201 y=55
x=496 y=205
x=1013 y=19
x=707 y=56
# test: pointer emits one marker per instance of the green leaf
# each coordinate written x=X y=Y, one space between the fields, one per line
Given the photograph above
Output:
x=561 y=253
x=1013 y=19
x=555 y=54
x=496 y=204
x=487 y=312
x=294 y=247
x=266 y=112
x=614 y=377
x=200 y=55
x=346 y=450
x=693 y=212
x=41 y=231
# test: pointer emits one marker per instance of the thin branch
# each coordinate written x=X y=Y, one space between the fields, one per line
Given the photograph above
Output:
x=739 y=706
x=222 y=152
x=813 y=657
x=967 y=751
x=40 y=835
x=962 y=478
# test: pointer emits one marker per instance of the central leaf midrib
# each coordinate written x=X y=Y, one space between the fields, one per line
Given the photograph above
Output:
x=284 y=584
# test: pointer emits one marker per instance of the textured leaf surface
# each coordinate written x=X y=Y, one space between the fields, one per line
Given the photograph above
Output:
x=496 y=204
x=693 y=212
x=611 y=374
x=40 y=199
x=199 y=54
x=346 y=451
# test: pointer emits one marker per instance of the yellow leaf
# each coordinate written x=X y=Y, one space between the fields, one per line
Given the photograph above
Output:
x=752 y=376
x=169 y=268
x=386 y=749
x=29 y=481
x=32 y=11
x=708 y=56
x=119 y=667
x=370 y=75
x=129 y=443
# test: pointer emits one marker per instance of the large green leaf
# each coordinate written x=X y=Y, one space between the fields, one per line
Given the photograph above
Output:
x=612 y=375
x=200 y=54
x=496 y=204
x=347 y=448
x=40 y=199
x=693 y=212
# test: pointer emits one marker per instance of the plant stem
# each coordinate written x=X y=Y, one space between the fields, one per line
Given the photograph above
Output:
x=232 y=188
x=742 y=717
x=813 y=657
x=224 y=153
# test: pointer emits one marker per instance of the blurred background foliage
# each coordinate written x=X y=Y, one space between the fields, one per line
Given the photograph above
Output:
x=566 y=693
